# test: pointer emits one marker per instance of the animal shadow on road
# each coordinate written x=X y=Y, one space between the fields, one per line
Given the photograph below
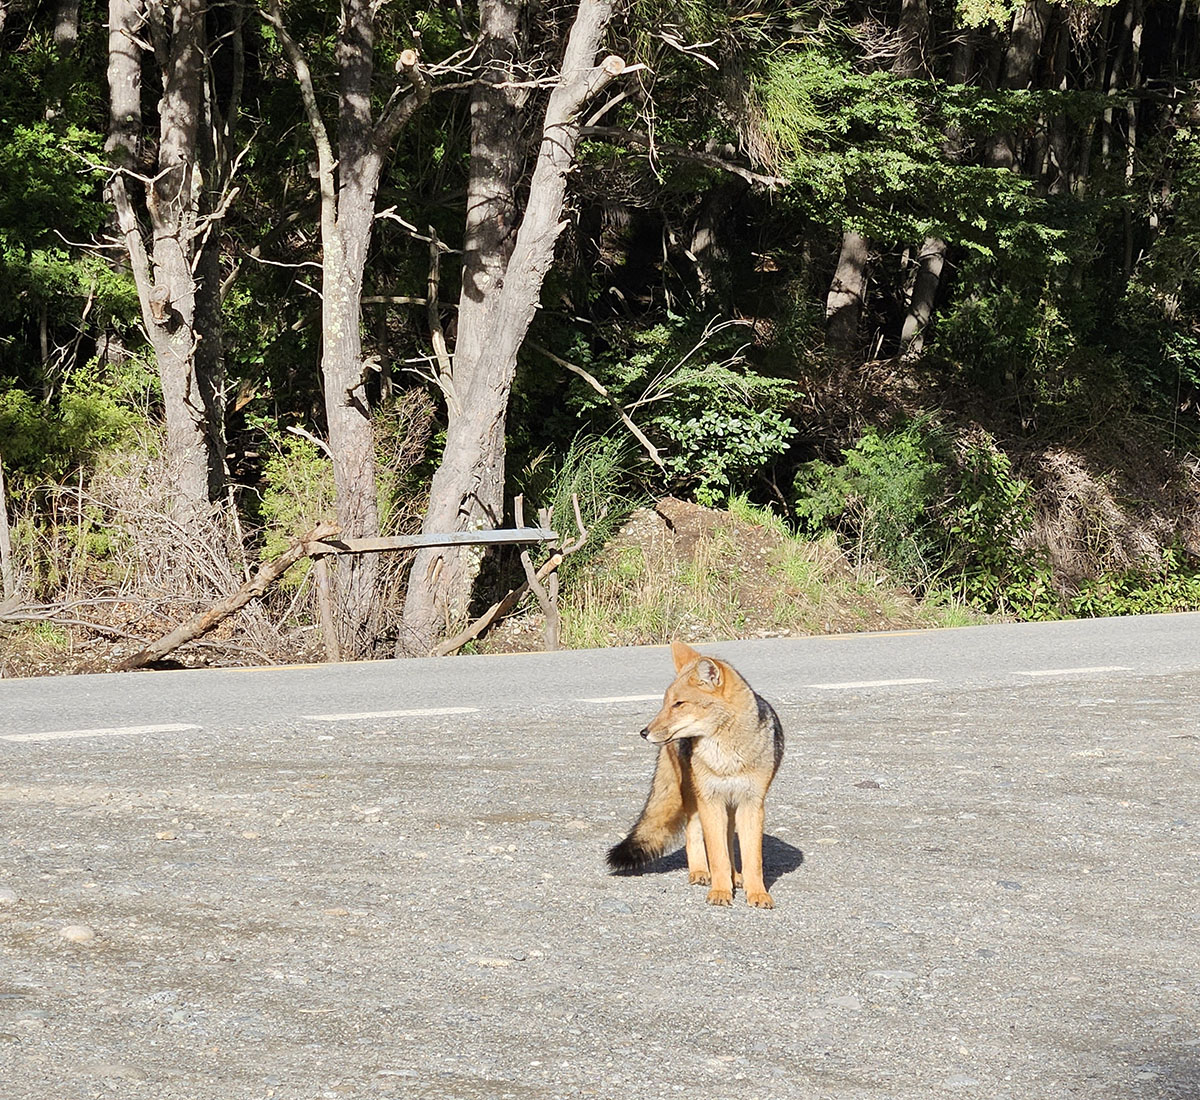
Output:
x=779 y=858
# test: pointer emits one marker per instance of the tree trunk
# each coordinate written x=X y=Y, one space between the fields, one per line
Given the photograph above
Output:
x=225 y=70
x=847 y=294
x=173 y=207
x=8 y=585
x=497 y=156
x=348 y=186
x=708 y=241
x=924 y=293
x=66 y=26
x=1020 y=62
x=912 y=49
x=467 y=489
x=163 y=275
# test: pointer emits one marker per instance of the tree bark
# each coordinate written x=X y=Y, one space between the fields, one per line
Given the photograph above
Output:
x=1020 y=61
x=708 y=249
x=348 y=186
x=847 y=295
x=931 y=259
x=8 y=586
x=163 y=274
x=496 y=160
x=924 y=293
x=467 y=489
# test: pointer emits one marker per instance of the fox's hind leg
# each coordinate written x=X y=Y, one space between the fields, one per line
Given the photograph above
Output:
x=733 y=864
x=697 y=859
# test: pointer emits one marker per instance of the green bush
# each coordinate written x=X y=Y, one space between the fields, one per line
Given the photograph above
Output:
x=98 y=410
x=715 y=420
x=885 y=495
x=297 y=493
x=1173 y=586
x=596 y=470
x=944 y=517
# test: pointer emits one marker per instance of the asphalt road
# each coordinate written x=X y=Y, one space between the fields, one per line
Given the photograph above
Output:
x=387 y=879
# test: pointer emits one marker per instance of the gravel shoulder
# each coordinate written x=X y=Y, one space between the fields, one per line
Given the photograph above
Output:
x=991 y=893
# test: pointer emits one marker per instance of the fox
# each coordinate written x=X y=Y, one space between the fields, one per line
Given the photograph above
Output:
x=721 y=744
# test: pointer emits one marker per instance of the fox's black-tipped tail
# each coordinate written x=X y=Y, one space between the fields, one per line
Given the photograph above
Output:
x=661 y=820
x=631 y=853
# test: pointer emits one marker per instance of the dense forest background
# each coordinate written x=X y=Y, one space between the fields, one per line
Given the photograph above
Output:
x=917 y=276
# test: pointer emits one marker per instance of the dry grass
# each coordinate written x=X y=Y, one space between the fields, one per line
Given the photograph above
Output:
x=1093 y=519
x=685 y=571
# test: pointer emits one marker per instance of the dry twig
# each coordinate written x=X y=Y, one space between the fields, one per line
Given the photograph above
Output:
x=266 y=575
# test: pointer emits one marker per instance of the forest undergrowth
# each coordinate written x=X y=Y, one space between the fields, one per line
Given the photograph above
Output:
x=825 y=317
x=924 y=520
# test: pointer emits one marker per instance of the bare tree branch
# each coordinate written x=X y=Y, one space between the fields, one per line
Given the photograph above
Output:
x=592 y=381
x=677 y=152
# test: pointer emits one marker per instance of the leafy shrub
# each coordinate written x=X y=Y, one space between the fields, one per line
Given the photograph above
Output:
x=943 y=516
x=297 y=493
x=715 y=420
x=719 y=449
x=597 y=471
x=885 y=495
x=97 y=410
x=1173 y=586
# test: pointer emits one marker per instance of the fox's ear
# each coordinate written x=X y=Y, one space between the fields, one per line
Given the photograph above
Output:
x=709 y=673
x=682 y=654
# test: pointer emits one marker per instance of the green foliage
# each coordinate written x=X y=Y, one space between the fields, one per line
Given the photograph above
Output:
x=297 y=493
x=46 y=182
x=987 y=523
x=1173 y=586
x=868 y=148
x=939 y=516
x=98 y=410
x=716 y=421
x=595 y=471
x=885 y=494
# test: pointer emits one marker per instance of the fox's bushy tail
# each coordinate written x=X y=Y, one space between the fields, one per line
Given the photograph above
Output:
x=662 y=818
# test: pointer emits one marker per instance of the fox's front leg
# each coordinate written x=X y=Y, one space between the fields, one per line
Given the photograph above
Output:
x=697 y=859
x=750 y=834
x=714 y=819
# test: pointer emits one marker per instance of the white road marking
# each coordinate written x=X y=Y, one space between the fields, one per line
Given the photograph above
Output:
x=624 y=699
x=1068 y=671
x=418 y=712
x=869 y=684
x=111 y=731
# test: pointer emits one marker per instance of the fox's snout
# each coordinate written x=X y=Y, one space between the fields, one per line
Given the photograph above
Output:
x=645 y=731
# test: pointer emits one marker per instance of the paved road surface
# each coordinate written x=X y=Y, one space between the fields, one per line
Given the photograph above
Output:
x=386 y=880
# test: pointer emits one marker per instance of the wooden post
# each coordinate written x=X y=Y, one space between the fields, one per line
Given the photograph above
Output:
x=6 y=569
x=333 y=653
x=543 y=597
x=553 y=618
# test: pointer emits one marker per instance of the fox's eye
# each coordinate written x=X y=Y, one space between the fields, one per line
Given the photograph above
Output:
x=677 y=703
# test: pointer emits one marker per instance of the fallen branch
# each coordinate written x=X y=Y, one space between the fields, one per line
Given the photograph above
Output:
x=264 y=576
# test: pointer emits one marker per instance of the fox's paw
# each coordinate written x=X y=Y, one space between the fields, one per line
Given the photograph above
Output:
x=737 y=879
x=760 y=899
x=699 y=878
x=717 y=896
